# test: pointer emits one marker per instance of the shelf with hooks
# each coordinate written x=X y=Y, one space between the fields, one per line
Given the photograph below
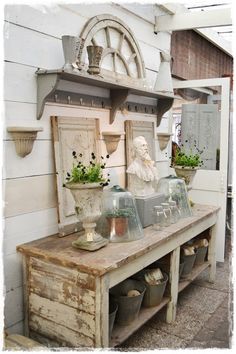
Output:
x=120 y=95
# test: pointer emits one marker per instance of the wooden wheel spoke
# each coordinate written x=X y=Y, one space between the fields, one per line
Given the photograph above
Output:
x=108 y=37
x=131 y=58
x=94 y=42
x=121 y=41
x=114 y=61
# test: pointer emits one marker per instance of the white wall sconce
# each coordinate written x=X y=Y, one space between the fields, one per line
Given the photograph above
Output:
x=163 y=139
x=111 y=140
x=24 y=138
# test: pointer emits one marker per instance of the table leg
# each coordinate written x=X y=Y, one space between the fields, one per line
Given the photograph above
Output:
x=102 y=310
x=212 y=254
x=174 y=284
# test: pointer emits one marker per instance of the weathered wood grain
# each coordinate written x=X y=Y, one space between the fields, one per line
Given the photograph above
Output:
x=58 y=333
x=62 y=291
x=115 y=255
x=82 y=280
x=62 y=315
x=48 y=342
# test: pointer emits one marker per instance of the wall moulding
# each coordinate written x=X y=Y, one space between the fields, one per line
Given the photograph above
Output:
x=111 y=140
x=24 y=138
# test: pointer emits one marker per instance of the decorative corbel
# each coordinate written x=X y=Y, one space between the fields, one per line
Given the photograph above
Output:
x=24 y=138
x=163 y=139
x=111 y=140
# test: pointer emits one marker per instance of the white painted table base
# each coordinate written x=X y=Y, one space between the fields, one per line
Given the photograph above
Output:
x=63 y=284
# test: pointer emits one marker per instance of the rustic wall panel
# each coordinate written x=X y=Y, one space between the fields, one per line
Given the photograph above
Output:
x=196 y=58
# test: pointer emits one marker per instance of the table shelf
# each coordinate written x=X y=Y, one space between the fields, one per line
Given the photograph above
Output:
x=194 y=273
x=121 y=333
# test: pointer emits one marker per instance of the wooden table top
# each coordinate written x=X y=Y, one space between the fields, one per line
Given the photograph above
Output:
x=60 y=251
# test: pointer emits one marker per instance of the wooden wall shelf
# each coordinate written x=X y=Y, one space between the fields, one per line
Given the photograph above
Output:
x=50 y=89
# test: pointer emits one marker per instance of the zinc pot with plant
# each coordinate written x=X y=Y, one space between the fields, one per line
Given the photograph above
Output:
x=86 y=183
x=118 y=220
x=186 y=164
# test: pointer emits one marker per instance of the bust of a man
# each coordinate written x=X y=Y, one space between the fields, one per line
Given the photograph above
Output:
x=142 y=171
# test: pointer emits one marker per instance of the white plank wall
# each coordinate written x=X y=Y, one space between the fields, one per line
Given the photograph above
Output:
x=33 y=40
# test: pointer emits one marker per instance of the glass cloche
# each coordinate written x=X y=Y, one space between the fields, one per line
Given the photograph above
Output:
x=174 y=188
x=120 y=213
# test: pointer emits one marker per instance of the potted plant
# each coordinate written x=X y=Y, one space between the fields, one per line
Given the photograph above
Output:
x=86 y=184
x=118 y=219
x=186 y=164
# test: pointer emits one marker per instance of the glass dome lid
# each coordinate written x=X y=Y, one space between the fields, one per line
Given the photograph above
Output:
x=175 y=189
x=120 y=213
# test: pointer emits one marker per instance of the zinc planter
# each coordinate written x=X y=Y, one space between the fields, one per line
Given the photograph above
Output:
x=181 y=267
x=113 y=307
x=154 y=293
x=200 y=255
x=128 y=306
x=188 y=264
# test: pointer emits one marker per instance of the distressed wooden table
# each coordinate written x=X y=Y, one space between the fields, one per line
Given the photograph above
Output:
x=67 y=290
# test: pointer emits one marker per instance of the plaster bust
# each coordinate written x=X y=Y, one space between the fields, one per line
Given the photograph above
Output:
x=142 y=171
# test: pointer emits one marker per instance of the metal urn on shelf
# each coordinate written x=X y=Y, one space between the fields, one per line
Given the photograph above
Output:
x=94 y=58
x=72 y=47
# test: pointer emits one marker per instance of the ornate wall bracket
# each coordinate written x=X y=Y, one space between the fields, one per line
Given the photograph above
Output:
x=163 y=139
x=111 y=140
x=24 y=138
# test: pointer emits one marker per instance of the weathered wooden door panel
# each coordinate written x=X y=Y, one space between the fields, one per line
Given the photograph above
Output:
x=210 y=185
x=198 y=124
x=71 y=134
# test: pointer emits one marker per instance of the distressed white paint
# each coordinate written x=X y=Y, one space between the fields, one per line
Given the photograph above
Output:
x=29 y=194
x=16 y=166
x=13 y=306
x=12 y=271
x=27 y=227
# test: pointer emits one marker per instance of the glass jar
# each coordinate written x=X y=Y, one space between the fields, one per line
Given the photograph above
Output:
x=174 y=188
x=167 y=212
x=158 y=218
x=175 y=211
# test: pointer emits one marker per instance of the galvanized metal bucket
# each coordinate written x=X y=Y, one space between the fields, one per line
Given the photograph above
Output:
x=154 y=293
x=113 y=307
x=188 y=264
x=200 y=255
x=181 y=267
x=128 y=307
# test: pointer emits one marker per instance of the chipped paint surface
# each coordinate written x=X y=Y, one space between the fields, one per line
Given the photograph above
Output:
x=61 y=304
